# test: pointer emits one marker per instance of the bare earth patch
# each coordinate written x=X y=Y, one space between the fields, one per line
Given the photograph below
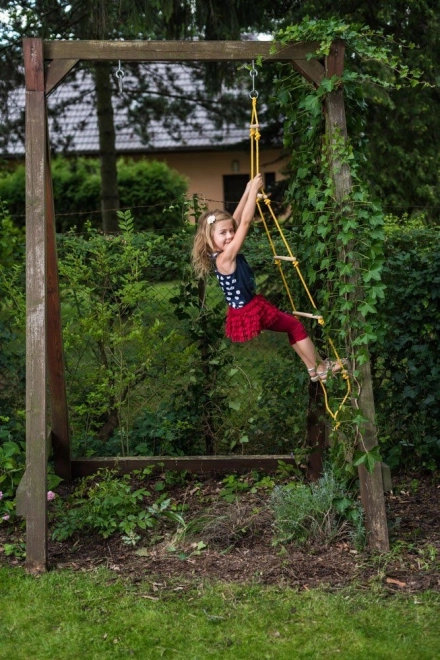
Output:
x=234 y=543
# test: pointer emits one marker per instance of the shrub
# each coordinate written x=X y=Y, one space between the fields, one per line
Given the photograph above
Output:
x=110 y=334
x=169 y=257
x=12 y=193
x=151 y=189
x=107 y=504
x=406 y=357
x=12 y=310
x=12 y=240
x=12 y=466
x=154 y=193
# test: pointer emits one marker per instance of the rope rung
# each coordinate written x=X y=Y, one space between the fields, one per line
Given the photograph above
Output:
x=307 y=315
x=285 y=258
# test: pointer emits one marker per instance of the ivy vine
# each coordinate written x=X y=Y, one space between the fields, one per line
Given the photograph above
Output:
x=340 y=241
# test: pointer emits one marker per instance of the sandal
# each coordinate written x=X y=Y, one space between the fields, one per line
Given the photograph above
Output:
x=322 y=376
x=336 y=365
x=333 y=366
x=314 y=377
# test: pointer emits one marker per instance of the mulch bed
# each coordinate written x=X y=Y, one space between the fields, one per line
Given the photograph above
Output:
x=239 y=545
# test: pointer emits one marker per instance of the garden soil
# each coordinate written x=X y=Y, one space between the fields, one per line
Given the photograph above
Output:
x=233 y=541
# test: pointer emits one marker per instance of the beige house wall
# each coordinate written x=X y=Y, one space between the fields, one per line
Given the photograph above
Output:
x=205 y=169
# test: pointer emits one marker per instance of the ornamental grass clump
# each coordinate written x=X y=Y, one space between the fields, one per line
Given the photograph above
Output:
x=319 y=512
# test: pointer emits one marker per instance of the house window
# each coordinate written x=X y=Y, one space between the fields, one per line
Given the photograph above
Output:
x=233 y=188
x=269 y=181
x=234 y=185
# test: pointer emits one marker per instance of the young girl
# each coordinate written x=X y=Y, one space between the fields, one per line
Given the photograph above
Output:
x=217 y=245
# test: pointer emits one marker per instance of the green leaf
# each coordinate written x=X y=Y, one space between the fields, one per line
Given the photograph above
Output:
x=367 y=458
x=359 y=457
x=370 y=462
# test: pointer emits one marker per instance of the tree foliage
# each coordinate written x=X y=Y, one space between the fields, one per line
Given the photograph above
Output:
x=142 y=19
x=401 y=166
x=401 y=132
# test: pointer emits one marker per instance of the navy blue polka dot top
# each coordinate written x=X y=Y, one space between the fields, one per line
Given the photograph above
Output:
x=239 y=287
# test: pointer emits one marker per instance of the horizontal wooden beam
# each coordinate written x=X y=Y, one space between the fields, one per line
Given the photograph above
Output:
x=83 y=467
x=172 y=51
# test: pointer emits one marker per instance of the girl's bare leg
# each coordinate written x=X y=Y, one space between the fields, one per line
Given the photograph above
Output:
x=305 y=349
x=317 y=367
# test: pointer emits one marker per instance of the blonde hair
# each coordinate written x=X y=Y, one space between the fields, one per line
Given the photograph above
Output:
x=203 y=247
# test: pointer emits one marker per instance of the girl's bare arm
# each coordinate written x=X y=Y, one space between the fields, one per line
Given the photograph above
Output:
x=226 y=259
x=239 y=210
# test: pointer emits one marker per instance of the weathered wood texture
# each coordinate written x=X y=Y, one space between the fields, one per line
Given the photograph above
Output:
x=177 y=51
x=336 y=123
x=34 y=500
x=311 y=70
x=56 y=71
x=371 y=485
x=386 y=478
x=334 y=63
x=317 y=432
x=55 y=351
x=82 y=467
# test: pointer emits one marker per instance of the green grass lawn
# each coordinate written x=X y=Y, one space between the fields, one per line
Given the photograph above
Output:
x=67 y=615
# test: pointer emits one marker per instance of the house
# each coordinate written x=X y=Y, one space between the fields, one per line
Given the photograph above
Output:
x=162 y=112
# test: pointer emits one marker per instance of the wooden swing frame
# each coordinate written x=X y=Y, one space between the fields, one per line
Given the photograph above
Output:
x=46 y=64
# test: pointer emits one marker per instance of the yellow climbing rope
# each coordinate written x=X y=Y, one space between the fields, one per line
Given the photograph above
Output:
x=254 y=134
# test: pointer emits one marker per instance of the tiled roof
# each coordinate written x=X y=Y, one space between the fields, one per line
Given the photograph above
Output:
x=141 y=120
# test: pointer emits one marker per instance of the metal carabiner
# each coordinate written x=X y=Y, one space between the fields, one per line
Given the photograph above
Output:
x=119 y=75
x=253 y=94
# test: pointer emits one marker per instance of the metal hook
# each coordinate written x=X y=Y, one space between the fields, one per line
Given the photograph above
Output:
x=119 y=75
x=253 y=94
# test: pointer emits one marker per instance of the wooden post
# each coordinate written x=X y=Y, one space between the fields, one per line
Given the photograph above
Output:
x=34 y=499
x=371 y=485
x=55 y=352
x=316 y=430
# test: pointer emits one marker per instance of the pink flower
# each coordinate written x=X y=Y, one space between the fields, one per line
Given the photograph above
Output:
x=6 y=516
x=50 y=495
x=1 y=494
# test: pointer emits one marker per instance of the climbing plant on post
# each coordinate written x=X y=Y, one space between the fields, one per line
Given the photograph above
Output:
x=371 y=485
x=340 y=228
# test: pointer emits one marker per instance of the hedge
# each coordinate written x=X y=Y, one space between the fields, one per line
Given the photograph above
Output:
x=152 y=190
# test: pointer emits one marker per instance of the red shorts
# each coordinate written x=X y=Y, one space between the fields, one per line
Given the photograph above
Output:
x=259 y=314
